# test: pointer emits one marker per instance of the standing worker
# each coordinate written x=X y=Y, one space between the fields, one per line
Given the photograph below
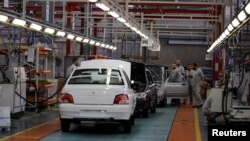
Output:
x=189 y=76
x=179 y=66
x=198 y=77
x=75 y=63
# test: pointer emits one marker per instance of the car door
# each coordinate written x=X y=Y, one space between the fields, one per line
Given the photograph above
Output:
x=176 y=85
x=152 y=86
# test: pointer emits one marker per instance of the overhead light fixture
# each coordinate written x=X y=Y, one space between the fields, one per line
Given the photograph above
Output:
x=85 y=40
x=230 y=27
x=242 y=16
x=35 y=27
x=60 y=33
x=114 y=9
x=79 y=39
x=223 y=35
x=128 y=25
x=19 y=22
x=235 y=22
x=3 y=18
x=70 y=36
x=32 y=24
x=121 y=19
x=49 y=30
x=111 y=47
x=115 y=48
x=92 y=0
x=107 y=46
x=103 y=45
x=97 y=44
x=247 y=8
x=227 y=32
x=91 y=42
x=102 y=6
x=113 y=13
x=221 y=38
x=134 y=28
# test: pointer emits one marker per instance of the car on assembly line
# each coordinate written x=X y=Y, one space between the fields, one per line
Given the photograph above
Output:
x=145 y=89
x=175 y=87
x=158 y=75
x=98 y=90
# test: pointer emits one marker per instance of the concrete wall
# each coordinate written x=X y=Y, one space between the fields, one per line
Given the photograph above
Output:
x=186 y=53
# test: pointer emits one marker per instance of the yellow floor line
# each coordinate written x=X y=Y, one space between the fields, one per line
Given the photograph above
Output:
x=26 y=130
x=197 y=126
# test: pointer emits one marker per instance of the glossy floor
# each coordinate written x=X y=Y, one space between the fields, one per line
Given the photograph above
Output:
x=167 y=124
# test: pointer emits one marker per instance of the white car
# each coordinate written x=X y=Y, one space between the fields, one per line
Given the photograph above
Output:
x=175 y=87
x=98 y=90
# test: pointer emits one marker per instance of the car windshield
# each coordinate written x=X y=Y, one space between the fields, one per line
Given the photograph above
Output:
x=96 y=76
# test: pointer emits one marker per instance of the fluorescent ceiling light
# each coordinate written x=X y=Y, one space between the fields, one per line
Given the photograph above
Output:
x=60 y=33
x=35 y=27
x=49 y=30
x=247 y=8
x=223 y=35
x=128 y=25
x=92 y=42
x=98 y=44
x=221 y=38
x=79 y=39
x=19 y=22
x=235 y=22
x=103 y=45
x=146 y=37
x=134 y=28
x=115 y=48
x=102 y=6
x=3 y=18
x=107 y=46
x=70 y=36
x=114 y=14
x=227 y=32
x=111 y=47
x=242 y=16
x=121 y=19
x=139 y=32
x=230 y=27
x=85 y=40
x=92 y=0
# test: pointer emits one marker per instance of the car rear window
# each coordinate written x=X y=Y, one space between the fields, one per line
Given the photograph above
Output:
x=96 y=76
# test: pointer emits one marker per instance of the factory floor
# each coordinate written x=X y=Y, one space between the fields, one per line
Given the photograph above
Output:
x=171 y=123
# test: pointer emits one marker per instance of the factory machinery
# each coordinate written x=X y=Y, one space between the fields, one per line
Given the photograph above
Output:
x=233 y=101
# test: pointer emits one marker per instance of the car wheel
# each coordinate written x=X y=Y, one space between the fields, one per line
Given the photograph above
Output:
x=127 y=126
x=146 y=111
x=65 y=125
x=175 y=102
x=133 y=120
x=163 y=102
x=153 y=109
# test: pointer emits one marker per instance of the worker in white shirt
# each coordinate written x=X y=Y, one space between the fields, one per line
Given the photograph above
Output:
x=189 y=77
x=198 y=77
x=75 y=63
x=179 y=66
x=212 y=117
